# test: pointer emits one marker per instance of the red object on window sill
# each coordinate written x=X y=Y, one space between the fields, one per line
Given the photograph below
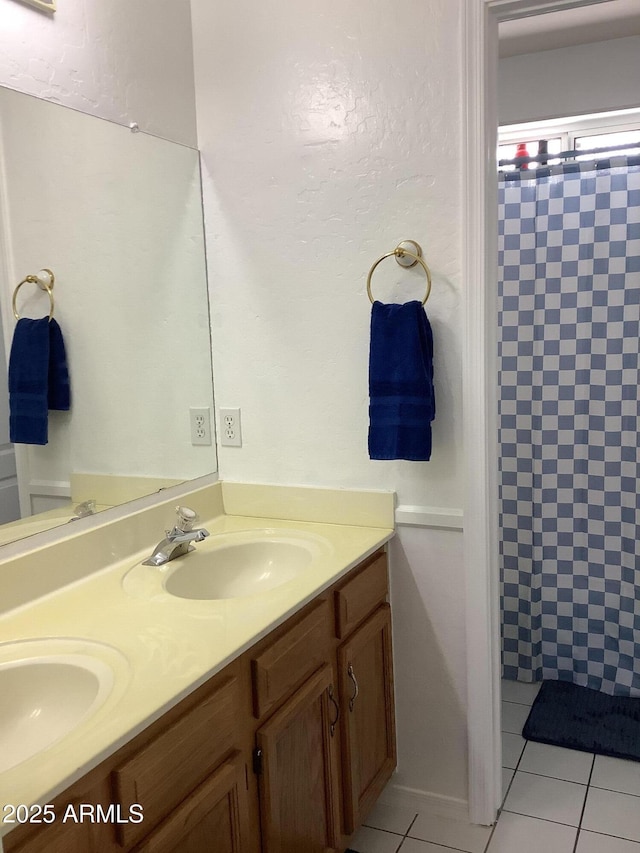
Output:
x=521 y=151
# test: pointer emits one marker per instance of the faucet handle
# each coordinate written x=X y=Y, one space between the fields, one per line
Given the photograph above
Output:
x=186 y=518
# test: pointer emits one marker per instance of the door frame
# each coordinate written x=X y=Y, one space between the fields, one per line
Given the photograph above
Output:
x=480 y=390
x=8 y=281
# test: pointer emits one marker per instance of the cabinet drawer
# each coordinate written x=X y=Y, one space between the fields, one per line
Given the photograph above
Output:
x=168 y=768
x=287 y=662
x=360 y=595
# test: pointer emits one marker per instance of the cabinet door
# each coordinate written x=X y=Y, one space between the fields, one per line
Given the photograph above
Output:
x=368 y=722
x=213 y=819
x=298 y=782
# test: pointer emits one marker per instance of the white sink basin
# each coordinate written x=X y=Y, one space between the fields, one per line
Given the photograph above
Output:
x=47 y=689
x=238 y=569
x=231 y=565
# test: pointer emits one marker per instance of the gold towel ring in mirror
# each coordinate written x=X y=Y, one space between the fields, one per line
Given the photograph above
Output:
x=400 y=252
x=34 y=279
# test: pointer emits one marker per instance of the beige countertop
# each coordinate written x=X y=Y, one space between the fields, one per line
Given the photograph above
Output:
x=160 y=647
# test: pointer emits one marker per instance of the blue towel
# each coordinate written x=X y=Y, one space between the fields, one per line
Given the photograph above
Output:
x=38 y=379
x=59 y=392
x=402 y=400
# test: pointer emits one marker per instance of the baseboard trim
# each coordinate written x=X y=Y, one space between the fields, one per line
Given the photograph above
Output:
x=425 y=802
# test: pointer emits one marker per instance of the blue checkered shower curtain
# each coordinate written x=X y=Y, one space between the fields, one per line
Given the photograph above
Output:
x=569 y=318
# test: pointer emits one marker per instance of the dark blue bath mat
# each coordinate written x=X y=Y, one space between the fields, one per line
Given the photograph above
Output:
x=565 y=714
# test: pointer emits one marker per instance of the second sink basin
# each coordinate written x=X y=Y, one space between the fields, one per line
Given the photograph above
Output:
x=47 y=689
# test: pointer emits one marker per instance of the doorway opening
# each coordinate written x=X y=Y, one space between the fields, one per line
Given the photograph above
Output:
x=485 y=306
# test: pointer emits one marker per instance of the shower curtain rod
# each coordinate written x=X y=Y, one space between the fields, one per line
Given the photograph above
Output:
x=565 y=155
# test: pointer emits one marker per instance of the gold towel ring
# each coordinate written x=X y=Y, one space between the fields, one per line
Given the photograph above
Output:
x=399 y=253
x=33 y=279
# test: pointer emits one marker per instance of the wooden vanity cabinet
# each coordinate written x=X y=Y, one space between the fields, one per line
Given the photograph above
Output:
x=328 y=751
x=190 y=773
x=284 y=751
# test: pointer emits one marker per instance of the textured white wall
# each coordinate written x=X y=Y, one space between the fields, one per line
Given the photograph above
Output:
x=586 y=78
x=329 y=132
x=121 y=60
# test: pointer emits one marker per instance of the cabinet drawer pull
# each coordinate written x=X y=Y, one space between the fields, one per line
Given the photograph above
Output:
x=332 y=727
x=356 y=689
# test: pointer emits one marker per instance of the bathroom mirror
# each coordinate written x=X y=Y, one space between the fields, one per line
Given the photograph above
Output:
x=117 y=216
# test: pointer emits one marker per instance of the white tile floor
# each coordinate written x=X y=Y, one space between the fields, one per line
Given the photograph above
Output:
x=555 y=800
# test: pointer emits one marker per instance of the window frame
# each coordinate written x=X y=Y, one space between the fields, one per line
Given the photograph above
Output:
x=569 y=129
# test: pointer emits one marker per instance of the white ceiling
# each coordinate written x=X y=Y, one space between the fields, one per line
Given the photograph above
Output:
x=610 y=19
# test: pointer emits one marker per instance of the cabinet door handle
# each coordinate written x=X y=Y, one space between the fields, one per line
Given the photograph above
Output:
x=356 y=689
x=332 y=727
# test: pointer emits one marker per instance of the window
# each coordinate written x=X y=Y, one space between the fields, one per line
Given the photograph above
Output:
x=582 y=133
x=509 y=151
x=606 y=140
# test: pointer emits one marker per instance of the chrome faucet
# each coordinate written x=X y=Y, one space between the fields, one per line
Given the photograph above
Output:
x=178 y=541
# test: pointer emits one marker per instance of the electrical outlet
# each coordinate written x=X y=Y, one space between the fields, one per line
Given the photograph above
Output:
x=230 y=430
x=200 y=420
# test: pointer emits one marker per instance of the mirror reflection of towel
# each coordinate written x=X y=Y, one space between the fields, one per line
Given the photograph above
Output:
x=402 y=399
x=38 y=379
